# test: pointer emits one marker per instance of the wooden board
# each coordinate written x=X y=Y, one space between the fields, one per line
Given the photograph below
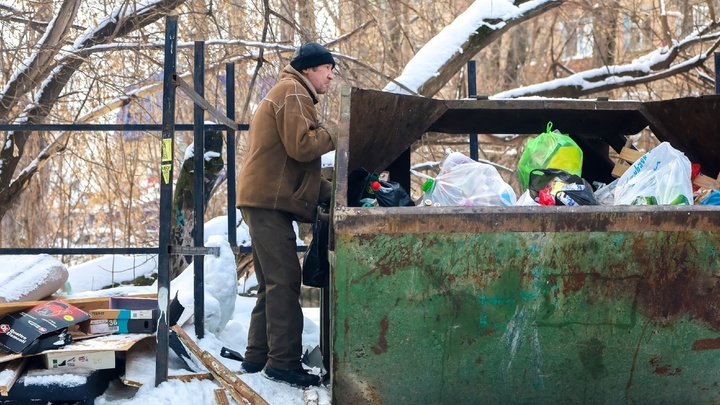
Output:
x=85 y=304
x=9 y=373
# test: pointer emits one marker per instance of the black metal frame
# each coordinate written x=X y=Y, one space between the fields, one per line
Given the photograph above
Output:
x=171 y=81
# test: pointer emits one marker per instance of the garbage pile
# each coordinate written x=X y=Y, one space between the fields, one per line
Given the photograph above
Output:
x=550 y=173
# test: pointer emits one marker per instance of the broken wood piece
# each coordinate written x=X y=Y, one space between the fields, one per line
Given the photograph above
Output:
x=707 y=182
x=14 y=369
x=619 y=169
x=191 y=377
x=630 y=155
x=237 y=388
x=220 y=397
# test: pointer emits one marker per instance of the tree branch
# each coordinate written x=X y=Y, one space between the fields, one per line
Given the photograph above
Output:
x=642 y=70
x=118 y=23
x=35 y=68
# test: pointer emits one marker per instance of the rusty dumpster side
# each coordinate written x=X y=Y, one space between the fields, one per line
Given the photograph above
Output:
x=591 y=305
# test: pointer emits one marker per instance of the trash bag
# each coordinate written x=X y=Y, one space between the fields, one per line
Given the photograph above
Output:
x=391 y=194
x=465 y=182
x=358 y=182
x=549 y=150
x=558 y=187
x=315 y=264
x=659 y=177
x=364 y=186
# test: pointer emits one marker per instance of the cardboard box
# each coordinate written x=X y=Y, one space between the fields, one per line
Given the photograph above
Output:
x=125 y=315
x=103 y=326
x=18 y=330
x=99 y=360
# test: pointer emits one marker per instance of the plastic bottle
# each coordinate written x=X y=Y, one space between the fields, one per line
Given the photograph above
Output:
x=428 y=185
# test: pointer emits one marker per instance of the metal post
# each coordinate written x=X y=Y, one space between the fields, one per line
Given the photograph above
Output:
x=199 y=190
x=166 y=190
x=717 y=72
x=231 y=198
x=472 y=92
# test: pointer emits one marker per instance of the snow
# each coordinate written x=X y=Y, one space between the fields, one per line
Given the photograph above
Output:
x=229 y=309
x=431 y=57
x=47 y=379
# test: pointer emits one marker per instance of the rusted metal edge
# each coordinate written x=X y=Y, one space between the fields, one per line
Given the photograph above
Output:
x=691 y=125
x=351 y=220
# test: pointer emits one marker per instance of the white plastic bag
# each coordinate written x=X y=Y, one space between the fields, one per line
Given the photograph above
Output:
x=660 y=177
x=465 y=182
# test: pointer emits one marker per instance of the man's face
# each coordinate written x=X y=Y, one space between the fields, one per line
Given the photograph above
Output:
x=320 y=77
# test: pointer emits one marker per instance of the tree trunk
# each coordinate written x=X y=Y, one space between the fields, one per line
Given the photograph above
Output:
x=183 y=227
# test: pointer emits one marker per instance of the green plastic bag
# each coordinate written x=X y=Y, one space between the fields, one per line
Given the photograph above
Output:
x=549 y=150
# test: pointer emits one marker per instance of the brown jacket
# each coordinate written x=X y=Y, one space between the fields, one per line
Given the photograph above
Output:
x=286 y=142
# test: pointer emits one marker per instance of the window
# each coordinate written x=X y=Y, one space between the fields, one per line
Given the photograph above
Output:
x=637 y=33
x=579 y=41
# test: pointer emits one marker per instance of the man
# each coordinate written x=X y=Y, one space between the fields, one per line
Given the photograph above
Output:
x=279 y=183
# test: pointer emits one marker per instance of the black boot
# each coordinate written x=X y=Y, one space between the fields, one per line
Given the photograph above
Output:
x=250 y=367
x=298 y=377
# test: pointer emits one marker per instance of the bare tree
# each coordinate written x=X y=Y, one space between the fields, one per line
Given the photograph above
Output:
x=101 y=188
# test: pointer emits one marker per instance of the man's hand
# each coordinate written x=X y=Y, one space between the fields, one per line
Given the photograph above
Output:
x=332 y=129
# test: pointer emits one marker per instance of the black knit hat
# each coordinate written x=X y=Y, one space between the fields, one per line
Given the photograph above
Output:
x=310 y=55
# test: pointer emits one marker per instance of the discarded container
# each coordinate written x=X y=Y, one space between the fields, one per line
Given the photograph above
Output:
x=523 y=304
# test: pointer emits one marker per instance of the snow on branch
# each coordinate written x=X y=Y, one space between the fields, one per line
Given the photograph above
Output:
x=122 y=21
x=449 y=50
x=35 y=67
x=655 y=65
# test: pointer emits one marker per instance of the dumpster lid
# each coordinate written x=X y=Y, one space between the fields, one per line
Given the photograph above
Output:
x=390 y=123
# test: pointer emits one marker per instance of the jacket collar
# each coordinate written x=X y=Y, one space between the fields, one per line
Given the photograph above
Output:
x=291 y=71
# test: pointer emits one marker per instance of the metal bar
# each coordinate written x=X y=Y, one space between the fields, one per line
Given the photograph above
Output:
x=231 y=197
x=109 y=127
x=472 y=92
x=78 y=251
x=248 y=249
x=717 y=72
x=194 y=250
x=202 y=103
x=199 y=190
x=166 y=190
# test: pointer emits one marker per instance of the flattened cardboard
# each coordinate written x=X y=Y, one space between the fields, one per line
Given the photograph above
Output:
x=99 y=360
x=19 y=329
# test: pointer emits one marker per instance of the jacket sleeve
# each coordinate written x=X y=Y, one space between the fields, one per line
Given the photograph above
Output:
x=303 y=138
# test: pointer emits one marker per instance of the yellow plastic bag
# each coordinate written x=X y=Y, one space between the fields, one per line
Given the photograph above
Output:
x=549 y=150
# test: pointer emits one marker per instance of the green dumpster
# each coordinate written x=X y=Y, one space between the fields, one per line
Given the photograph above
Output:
x=489 y=305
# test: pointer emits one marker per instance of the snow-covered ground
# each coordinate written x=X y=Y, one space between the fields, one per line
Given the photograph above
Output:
x=227 y=329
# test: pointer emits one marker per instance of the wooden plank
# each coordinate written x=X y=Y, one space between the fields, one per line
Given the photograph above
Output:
x=238 y=389
x=84 y=304
x=190 y=377
x=10 y=374
x=220 y=397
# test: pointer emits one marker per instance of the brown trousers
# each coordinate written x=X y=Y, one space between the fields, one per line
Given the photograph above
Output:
x=276 y=323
